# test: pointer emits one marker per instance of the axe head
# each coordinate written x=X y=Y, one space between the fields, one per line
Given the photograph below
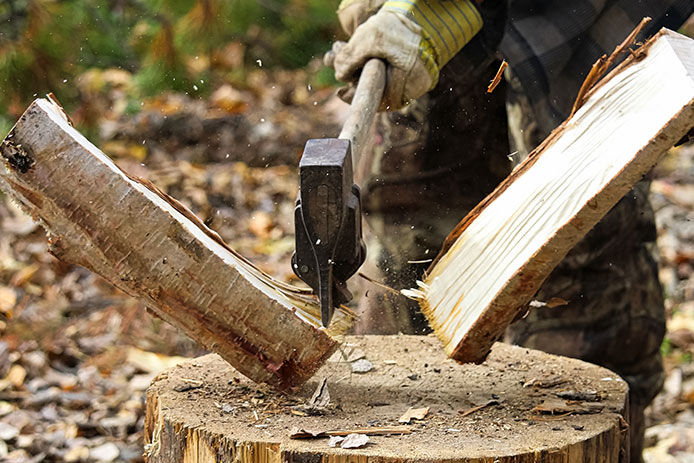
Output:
x=327 y=221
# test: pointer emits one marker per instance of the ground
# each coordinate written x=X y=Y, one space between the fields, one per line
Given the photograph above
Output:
x=76 y=355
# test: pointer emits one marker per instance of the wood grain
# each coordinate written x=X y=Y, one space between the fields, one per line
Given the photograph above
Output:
x=153 y=248
x=499 y=255
x=231 y=419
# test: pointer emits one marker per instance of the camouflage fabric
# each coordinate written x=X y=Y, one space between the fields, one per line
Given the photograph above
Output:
x=435 y=159
x=438 y=158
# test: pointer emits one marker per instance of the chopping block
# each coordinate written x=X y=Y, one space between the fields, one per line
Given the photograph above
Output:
x=520 y=405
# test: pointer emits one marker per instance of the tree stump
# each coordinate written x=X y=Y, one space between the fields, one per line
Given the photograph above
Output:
x=520 y=405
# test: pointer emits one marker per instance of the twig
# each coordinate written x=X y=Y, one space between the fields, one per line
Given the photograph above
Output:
x=604 y=63
x=380 y=285
x=472 y=410
x=497 y=78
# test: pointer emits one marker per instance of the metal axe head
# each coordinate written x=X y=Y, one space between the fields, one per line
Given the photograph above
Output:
x=327 y=220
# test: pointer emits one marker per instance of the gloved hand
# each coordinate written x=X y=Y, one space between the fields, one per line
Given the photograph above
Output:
x=415 y=37
x=351 y=13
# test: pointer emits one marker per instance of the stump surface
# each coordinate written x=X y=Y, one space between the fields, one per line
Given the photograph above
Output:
x=204 y=411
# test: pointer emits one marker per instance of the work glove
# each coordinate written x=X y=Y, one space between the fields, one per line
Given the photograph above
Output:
x=351 y=13
x=416 y=38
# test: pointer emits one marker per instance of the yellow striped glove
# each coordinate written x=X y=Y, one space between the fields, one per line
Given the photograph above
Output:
x=415 y=37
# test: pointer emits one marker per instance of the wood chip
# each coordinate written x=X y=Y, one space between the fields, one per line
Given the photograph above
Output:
x=301 y=433
x=414 y=414
x=321 y=396
x=563 y=407
x=362 y=366
x=588 y=396
x=545 y=382
x=188 y=384
x=354 y=441
x=497 y=78
x=335 y=440
x=477 y=408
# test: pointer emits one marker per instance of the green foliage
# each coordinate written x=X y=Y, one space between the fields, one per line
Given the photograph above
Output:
x=166 y=44
x=666 y=347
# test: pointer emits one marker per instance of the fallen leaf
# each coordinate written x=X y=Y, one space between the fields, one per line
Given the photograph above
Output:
x=16 y=375
x=105 y=452
x=8 y=299
x=150 y=362
x=354 y=441
x=76 y=453
x=230 y=100
x=260 y=224
x=23 y=276
x=414 y=414
x=8 y=432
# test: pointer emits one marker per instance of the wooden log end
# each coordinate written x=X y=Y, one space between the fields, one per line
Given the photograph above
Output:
x=518 y=406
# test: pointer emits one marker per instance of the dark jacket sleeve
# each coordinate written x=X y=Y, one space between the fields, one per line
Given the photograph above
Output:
x=482 y=50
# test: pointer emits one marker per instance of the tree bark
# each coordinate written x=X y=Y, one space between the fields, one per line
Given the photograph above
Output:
x=501 y=252
x=519 y=406
x=153 y=248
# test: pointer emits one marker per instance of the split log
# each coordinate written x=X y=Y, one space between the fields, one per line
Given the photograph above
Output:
x=519 y=406
x=153 y=248
x=501 y=252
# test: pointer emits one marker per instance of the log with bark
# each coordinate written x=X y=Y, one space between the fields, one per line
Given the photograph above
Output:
x=415 y=405
x=153 y=248
x=498 y=256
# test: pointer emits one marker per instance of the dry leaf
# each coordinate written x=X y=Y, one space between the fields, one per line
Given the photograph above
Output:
x=122 y=149
x=230 y=100
x=16 y=375
x=414 y=414
x=23 y=276
x=260 y=225
x=149 y=362
x=8 y=299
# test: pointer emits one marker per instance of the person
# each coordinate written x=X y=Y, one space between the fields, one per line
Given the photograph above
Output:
x=445 y=143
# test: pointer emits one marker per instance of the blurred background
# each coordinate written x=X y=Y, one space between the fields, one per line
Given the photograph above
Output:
x=211 y=100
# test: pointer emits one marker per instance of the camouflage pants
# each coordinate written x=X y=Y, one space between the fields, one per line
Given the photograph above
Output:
x=433 y=161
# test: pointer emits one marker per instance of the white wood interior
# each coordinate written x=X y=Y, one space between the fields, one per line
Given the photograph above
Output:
x=614 y=125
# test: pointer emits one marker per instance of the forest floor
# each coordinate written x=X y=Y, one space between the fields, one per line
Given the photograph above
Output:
x=76 y=355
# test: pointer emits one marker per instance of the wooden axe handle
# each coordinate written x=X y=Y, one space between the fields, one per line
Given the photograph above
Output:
x=367 y=99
